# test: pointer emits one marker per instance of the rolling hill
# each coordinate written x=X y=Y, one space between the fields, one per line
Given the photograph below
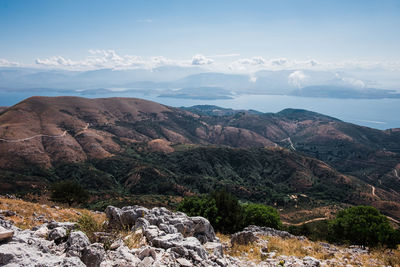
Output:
x=136 y=146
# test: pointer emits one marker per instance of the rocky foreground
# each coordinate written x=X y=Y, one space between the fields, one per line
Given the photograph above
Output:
x=155 y=237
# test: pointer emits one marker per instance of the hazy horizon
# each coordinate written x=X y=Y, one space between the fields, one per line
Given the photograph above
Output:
x=336 y=52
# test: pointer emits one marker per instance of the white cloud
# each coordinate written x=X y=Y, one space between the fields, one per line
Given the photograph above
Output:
x=253 y=79
x=252 y=61
x=312 y=62
x=201 y=60
x=297 y=78
x=279 y=61
x=97 y=59
x=105 y=59
x=350 y=81
x=7 y=63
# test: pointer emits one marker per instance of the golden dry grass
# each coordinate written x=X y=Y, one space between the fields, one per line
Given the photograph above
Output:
x=302 y=248
x=133 y=239
x=298 y=248
x=27 y=212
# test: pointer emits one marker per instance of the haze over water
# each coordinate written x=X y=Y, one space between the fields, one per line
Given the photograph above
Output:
x=375 y=113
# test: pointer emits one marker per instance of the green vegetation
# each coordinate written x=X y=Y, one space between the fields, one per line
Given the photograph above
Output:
x=363 y=225
x=89 y=225
x=227 y=215
x=256 y=175
x=69 y=192
x=261 y=215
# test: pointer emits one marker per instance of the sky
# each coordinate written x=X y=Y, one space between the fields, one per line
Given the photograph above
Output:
x=229 y=35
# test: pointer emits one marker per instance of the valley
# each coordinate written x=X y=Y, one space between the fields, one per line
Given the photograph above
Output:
x=134 y=147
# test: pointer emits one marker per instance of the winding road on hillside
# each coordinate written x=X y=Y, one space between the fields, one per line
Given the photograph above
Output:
x=290 y=142
x=309 y=221
x=40 y=135
x=396 y=174
x=373 y=190
x=326 y=218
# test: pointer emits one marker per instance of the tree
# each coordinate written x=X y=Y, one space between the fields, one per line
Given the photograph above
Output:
x=200 y=206
x=261 y=215
x=230 y=211
x=222 y=209
x=69 y=192
x=362 y=225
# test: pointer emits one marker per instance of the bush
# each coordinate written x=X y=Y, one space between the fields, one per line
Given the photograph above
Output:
x=363 y=225
x=69 y=192
x=220 y=208
x=261 y=215
x=230 y=211
x=225 y=213
x=204 y=206
x=89 y=225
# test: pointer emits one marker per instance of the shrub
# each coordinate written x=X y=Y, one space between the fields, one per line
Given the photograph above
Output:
x=362 y=225
x=227 y=215
x=89 y=225
x=69 y=192
x=230 y=211
x=200 y=206
x=220 y=208
x=261 y=215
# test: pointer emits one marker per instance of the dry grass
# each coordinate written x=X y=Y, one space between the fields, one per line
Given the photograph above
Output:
x=27 y=213
x=301 y=248
x=388 y=257
x=298 y=248
x=133 y=240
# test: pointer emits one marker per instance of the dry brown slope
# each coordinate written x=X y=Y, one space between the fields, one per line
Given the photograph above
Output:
x=76 y=129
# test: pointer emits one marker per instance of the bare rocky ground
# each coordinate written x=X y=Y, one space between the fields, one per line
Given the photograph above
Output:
x=160 y=238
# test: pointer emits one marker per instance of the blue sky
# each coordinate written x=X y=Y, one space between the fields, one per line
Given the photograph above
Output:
x=325 y=31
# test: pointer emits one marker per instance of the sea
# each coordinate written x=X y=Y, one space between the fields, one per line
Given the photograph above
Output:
x=375 y=113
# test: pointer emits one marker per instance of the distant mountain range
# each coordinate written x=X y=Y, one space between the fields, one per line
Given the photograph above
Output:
x=136 y=146
x=194 y=83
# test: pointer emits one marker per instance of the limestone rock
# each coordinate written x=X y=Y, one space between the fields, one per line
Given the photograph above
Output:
x=42 y=231
x=5 y=234
x=310 y=262
x=243 y=238
x=93 y=255
x=77 y=242
x=57 y=234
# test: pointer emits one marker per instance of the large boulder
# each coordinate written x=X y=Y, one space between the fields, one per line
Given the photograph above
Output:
x=126 y=217
x=243 y=238
x=26 y=249
x=165 y=220
x=57 y=234
x=93 y=255
x=77 y=242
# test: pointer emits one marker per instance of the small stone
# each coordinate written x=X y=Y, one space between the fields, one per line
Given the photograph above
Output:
x=184 y=262
x=42 y=231
x=310 y=262
x=116 y=244
x=148 y=261
x=5 y=234
x=147 y=252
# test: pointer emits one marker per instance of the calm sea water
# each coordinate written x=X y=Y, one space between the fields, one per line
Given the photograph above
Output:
x=375 y=113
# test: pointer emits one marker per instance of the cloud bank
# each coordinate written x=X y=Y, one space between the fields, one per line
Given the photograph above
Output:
x=99 y=59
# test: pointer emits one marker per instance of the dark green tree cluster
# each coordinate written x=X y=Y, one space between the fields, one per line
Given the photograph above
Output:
x=227 y=215
x=69 y=192
x=363 y=225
